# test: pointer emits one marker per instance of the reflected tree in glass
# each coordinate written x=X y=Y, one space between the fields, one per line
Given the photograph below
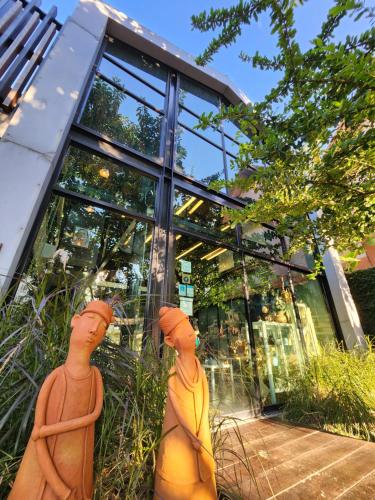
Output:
x=102 y=112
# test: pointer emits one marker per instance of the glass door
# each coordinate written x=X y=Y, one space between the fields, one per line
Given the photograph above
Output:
x=209 y=288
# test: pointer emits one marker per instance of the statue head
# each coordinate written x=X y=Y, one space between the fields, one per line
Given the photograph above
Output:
x=177 y=330
x=90 y=325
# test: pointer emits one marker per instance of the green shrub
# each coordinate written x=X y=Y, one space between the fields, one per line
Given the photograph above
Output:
x=336 y=393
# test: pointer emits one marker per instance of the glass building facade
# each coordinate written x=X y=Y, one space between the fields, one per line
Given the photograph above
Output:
x=132 y=209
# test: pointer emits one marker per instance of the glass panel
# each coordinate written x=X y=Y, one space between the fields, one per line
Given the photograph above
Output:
x=197 y=98
x=233 y=131
x=104 y=254
x=316 y=320
x=261 y=239
x=197 y=158
x=122 y=118
x=144 y=66
x=202 y=216
x=132 y=84
x=231 y=146
x=101 y=178
x=209 y=288
x=191 y=121
x=277 y=337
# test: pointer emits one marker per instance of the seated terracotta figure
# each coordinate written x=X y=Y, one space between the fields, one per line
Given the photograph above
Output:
x=58 y=460
x=185 y=468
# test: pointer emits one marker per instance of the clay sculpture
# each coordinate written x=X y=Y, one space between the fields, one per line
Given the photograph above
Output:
x=185 y=468
x=58 y=460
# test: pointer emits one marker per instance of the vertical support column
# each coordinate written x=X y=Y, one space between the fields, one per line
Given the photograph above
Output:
x=162 y=255
x=346 y=310
x=37 y=131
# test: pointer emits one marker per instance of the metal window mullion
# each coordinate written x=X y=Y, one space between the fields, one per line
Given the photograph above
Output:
x=249 y=319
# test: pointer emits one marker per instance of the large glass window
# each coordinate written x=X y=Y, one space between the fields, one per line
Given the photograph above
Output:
x=112 y=112
x=274 y=323
x=209 y=288
x=315 y=318
x=131 y=84
x=126 y=101
x=201 y=216
x=289 y=321
x=101 y=178
x=105 y=254
x=199 y=152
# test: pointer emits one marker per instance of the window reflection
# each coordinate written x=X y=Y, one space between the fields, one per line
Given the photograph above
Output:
x=110 y=111
x=278 y=344
x=316 y=320
x=199 y=215
x=209 y=288
x=261 y=239
x=197 y=97
x=131 y=84
x=105 y=180
x=142 y=65
x=105 y=255
x=197 y=158
x=192 y=121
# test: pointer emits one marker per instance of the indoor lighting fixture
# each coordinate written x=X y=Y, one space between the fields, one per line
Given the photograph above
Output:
x=90 y=209
x=197 y=205
x=185 y=205
x=104 y=172
x=148 y=238
x=225 y=228
x=178 y=236
x=212 y=253
x=217 y=254
x=185 y=252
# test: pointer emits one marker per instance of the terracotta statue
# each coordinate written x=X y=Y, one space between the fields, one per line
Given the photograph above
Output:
x=58 y=460
x=185 y=468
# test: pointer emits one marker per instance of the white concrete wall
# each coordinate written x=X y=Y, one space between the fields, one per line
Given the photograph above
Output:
x=36 y=133
x=345 y=307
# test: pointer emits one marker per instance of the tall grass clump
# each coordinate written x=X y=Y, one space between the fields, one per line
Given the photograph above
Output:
x=34 y=339
x=336 y=392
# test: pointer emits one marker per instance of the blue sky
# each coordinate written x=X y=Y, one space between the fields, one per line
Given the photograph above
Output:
x=171 y=20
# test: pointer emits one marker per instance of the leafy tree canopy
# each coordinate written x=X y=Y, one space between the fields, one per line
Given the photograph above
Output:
x=312 y=137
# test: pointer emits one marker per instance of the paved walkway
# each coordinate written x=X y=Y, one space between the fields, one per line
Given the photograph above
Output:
x=291 y=463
